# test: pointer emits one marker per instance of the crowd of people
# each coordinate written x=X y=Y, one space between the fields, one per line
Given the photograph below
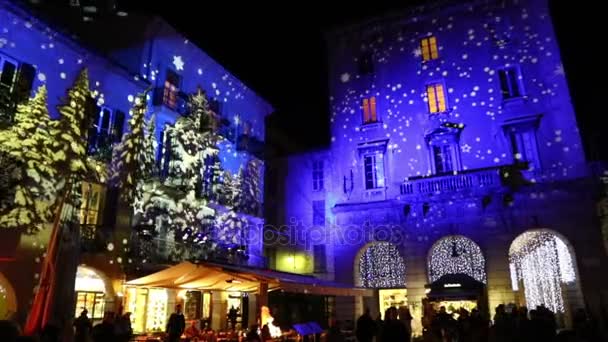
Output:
x=509 y=324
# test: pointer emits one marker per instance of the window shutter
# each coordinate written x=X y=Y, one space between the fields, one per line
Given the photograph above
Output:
x=25 y=79
x=118 y=125
x=7 y=75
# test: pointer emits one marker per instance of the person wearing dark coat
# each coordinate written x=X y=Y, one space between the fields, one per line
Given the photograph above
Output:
x=393 y=330
x=83 y=327
x=105 y=331
x=366 y=327
x=176 y=324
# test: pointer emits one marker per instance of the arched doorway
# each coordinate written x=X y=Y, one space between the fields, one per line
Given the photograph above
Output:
x=8 y=300
x=456 y=254
x=90 y=288
x=543 y=266
x=457 y=275
x=379 y=265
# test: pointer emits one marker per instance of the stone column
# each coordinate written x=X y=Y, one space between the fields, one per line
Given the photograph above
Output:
x=218 y=310
x=499 y=286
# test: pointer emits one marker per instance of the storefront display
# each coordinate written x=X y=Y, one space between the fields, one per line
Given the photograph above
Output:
x=90 y=294
x=149 y=308
x=392 y=298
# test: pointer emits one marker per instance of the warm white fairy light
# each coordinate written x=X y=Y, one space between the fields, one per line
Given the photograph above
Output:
x=381 y=266
x=456 y=254
x=514 y=281
x=542 y=262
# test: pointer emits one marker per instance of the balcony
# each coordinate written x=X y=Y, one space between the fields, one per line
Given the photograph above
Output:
x=472 y=180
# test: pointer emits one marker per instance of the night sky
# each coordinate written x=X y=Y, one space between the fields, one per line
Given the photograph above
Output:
x=279 y=50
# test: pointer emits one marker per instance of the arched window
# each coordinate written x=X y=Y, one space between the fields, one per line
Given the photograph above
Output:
x=456 y=254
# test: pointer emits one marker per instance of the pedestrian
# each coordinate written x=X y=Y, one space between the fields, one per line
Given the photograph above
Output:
x=83 y=327
x=366 y=327
x=105 y=331
x=176 y=324
x=406 y=318
x=335 y=333
x=394 y=329
x=123 y=327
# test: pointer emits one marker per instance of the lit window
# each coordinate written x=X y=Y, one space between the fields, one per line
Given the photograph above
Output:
x=91 y=203
x=369 y=110
x=443 y=158
x=510 y=82
x=317 y=175
x=436 y=98
x=429 y=48
x=374 y=171
x=523 y=147
x=171 y=88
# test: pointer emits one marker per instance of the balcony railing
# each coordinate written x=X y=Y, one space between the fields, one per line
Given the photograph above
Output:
x=464 y=180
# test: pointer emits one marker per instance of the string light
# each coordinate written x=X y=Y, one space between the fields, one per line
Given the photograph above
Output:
x=381 y=266
x=456 y=254
x=542 y=261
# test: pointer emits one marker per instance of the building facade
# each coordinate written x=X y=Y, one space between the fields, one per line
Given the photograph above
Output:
x=454 y=150
x=164 y=63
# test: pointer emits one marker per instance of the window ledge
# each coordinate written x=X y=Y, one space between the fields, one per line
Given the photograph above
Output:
x=371 y=126
x=512 y=101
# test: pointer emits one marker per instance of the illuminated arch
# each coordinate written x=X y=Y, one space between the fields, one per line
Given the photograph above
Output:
x=542 y=260
x=456 y=254
x=8 y=300
x=90 y=279
x=380 y=265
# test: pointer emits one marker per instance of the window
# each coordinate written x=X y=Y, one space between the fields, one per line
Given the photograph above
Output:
x=317 y=175
x=436 y=98
x=118 y=124
x=172 y=84
x=318 y=213
x=369 y=110
x=91 y=203
x=365 y=63
x=374 y=171
x=523 y=146
x=443 y=158
x=429 y=48
x=320 y=259
x=8 y=72
x=510 y=82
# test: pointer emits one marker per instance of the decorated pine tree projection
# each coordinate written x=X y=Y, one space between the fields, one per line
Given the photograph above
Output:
x=229 y=189
x=68 y=148
x=132 y=157
x=249 y=195
x=194 y=151
x=230 y=231
x=28 y=169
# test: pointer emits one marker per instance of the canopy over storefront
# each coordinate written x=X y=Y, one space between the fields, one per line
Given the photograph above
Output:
x=210 y=276
x=455 y=286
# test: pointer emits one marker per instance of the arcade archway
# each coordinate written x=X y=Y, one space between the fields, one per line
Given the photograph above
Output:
x=456 y=254
x=380 y=265
x=543 y=267
x=8 y=300
x=91 y=292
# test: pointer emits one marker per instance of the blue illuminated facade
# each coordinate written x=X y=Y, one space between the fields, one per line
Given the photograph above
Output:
x=449 y=120
x=32 y=53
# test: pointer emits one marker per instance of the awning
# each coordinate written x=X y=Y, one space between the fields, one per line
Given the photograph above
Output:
x=210 y=276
